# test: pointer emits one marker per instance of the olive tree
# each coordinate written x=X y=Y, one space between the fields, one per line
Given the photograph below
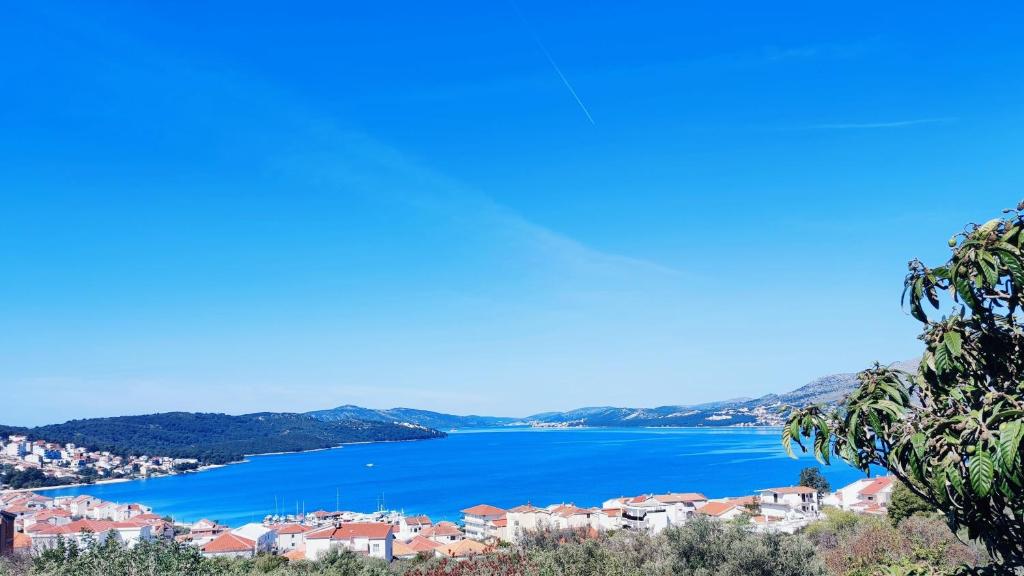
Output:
x=952 y=431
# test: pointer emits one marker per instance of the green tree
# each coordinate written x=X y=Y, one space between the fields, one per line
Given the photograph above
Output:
x=812 y=477
x=953 y=431
x=904 y=504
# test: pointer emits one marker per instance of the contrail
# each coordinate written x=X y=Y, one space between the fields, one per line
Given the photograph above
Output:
x=554 y=65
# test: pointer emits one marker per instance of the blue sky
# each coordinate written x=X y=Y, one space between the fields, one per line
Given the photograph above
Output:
x=252 y=206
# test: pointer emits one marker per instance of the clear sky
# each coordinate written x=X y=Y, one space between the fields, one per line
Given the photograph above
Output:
x=481 y=207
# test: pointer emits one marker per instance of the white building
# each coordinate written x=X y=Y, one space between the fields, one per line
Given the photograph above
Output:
x=231 y=545
x=410 y=526
x=290 y=536
x=480 y=521
x=655 y=512
x=84 y=531
x=374 y=539
x=721 y=511
x=263 y=536
x=790 y=502
x=866 y=496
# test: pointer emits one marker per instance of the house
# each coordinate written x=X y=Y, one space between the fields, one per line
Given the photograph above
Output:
x=372 y=538
x=415 y=547
x=410 y=526
x=721 y=511
x=96 y=531
x=230 y=545
x=263 y=536
x=865 y=496
x=6 y=533
x=290 y=536
x=525 y=518
x=205 y=531
x=442 y=533
x=790 y=502
x=655 y=512
x=479 y=521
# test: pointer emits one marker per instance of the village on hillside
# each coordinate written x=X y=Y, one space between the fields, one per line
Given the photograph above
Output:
x=52 y=463
x=30 y=522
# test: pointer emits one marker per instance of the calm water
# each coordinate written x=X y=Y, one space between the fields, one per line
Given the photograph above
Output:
x=504 y=468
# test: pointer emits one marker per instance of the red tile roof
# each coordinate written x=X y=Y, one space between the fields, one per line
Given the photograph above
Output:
x=877 y=485
x=229 y=542
x=421 y=544
x=352 y=530
x=441 y=529
x=483 y=510
x=289 y=528
x=716 y=508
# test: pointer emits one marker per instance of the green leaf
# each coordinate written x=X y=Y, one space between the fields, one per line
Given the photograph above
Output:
x=953 y=343
x=981 y=471
x=1010 y=436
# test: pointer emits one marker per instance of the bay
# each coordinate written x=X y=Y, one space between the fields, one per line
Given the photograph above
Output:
x=502 y=467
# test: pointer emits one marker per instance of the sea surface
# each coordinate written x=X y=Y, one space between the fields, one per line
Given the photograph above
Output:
x=505 y=467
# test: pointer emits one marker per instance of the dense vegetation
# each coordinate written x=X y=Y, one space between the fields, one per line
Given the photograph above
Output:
x=953 y=432
x=218 y=438
x=842 y=545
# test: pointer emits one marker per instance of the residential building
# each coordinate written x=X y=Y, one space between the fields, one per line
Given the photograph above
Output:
x=721 y=511
x=790 y=502
x=229 y=544
x=479 y=521
x=442 y=533
x=865 y=496
x=372 y=538
x=410 y=526
x=85 y=531
x=290 y=536
x=417 y=546
x=655 y=512
x=264 y=537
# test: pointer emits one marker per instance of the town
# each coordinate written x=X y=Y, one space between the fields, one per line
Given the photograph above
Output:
x=30 y=522
x=39 y=463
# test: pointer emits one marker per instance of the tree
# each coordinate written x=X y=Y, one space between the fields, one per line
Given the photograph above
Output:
x=952 y=431
x=904 y=504
x=812 y=477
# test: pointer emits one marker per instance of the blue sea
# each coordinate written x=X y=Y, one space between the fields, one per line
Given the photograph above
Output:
x=503 y=467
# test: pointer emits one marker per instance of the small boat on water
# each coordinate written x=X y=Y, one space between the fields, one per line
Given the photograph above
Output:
x=370 y=465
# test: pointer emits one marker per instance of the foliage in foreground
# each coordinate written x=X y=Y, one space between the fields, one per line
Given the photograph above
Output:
x=843 y=545
x=953 y=431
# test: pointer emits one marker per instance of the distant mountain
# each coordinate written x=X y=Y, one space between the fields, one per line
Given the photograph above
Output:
x=763 y=411
x=425 y=418
x=219 y=438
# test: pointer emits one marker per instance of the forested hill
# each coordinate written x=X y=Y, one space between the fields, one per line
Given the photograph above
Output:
x=218 y=438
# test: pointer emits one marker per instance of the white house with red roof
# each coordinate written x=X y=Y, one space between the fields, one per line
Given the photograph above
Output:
x=97 y=531
x=410 y=526
x=655 y=512
x=721 y=510
x=264 y=536
x=479 y=521
x=866 y=496
x=789 y=502
x=373 y=539
x=290 y=536
x=231 y=545
x=443 y=533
